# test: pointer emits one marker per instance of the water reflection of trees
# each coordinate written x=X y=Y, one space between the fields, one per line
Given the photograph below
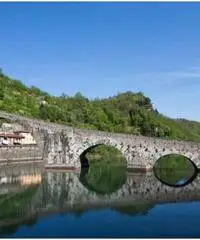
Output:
x=7 y=230
x=134 y=209
x=62 y=192
x=103 y=169
x=13 y=205
x=131 y=209
x=103 y=179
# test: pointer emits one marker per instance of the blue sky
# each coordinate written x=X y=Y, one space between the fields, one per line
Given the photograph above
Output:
x=101 y=49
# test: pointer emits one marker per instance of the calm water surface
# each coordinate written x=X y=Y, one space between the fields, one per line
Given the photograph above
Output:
x=95 y=203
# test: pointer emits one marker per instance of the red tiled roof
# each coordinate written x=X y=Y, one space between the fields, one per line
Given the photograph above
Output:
x=10 y=135
x=21 y=131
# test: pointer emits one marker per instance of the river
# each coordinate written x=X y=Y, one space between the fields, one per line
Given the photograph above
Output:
x=96 y=203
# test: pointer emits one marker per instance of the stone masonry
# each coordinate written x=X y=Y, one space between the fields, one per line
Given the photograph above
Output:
x=9 y=154
x=62 y=146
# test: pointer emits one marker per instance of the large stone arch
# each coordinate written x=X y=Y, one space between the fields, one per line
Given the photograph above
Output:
x=89 y=144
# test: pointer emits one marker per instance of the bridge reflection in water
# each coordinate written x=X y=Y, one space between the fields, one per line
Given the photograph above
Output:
x=28 y=193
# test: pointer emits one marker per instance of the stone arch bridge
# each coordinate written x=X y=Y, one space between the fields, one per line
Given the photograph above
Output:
x=62 y=146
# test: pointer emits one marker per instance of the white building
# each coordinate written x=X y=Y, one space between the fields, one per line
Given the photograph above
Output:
x=27 y=137
x=7 y=139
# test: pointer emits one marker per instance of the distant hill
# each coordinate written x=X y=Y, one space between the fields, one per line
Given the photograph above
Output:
x=124 y=113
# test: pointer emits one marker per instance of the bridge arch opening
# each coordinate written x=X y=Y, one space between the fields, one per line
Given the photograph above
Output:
x=175 y=170
x=102 y=154
x=103 y=169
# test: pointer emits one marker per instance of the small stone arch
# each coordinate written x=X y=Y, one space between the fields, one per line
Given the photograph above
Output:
x=160 y=173
x=187 y=156
x=193 y=157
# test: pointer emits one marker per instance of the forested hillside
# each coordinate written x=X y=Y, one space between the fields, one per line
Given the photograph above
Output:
x=124 y=113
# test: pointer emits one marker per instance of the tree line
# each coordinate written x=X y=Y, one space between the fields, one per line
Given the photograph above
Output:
x=127 y=112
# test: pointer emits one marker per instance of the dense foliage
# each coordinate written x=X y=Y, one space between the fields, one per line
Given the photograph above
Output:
x=107 y=155
x=124 y=113
x=104 y=178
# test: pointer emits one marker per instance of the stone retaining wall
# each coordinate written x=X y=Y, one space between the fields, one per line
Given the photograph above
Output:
x=20 y=153
x=21 y=169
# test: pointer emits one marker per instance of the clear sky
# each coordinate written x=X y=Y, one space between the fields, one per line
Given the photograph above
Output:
x=101 y=49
